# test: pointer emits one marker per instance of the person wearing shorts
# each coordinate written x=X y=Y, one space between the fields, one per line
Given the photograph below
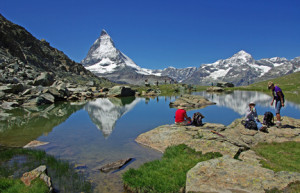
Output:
x=278 y=97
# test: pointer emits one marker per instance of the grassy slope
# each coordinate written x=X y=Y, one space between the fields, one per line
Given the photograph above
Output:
x=290 y=85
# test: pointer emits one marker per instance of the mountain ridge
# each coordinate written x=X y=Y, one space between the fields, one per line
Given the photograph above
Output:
x=105 y=60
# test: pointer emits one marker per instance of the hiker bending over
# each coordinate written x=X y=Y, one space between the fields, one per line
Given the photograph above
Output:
x=251 y=115
x=181 y=117
x=279 y=101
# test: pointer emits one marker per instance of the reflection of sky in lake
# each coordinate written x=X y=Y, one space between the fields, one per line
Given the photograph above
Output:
x=105 y=129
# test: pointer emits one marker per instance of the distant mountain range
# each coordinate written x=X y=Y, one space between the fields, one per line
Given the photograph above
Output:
x=105 y=60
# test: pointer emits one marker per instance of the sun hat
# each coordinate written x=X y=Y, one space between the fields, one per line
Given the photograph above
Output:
x=252 y=103
x=270 y=83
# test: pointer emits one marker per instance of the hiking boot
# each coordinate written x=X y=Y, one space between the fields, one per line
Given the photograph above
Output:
x=278 y=124
x=264 y=129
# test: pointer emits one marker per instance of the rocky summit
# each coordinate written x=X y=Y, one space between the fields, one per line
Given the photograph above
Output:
x=105 y=60
x=227 y=174
x=33 y=72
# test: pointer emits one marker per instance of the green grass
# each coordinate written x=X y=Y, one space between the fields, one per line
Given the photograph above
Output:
x=63 y=176
x=17 y=186
x=290 y=82
x=167 y=174
x=281 y=157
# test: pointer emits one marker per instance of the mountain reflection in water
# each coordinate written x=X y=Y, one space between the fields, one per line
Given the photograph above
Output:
x=104 y=112
x=238 y=100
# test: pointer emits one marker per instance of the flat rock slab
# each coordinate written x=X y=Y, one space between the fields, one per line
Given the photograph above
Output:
x=230 y=175
x=35 y=143
x=198 y=138
x=290 y=131
x=164 y=136
x=114 y=165
x=191 y=102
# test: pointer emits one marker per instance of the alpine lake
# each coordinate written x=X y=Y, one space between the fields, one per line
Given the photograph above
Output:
x=93 y=133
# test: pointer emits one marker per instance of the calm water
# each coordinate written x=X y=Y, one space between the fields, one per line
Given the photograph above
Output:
x=102 y=131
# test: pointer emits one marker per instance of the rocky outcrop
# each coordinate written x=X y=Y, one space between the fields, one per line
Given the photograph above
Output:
x=191 y=102
x=230 y=140
x=290 y=131
x=30 y=68
x=227 y=174
x=230 y=175
x=39 y=172
x=121 y=91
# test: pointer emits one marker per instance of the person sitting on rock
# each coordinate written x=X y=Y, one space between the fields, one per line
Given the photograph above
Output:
x=181 y=117
x=251 y=115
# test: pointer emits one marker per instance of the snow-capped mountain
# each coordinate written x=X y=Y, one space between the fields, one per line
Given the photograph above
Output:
x=105 y=60
x=242 y=69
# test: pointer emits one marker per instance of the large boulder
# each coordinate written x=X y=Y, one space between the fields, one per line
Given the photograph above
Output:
x=45 y=98
x=230 y=175
x=121 y=91
x=44 y=79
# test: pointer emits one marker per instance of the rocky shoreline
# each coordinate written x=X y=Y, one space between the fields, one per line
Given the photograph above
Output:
x=239 y=170
x=44 y=89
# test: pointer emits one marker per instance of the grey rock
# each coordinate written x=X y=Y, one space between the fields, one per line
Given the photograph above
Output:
x=54 y=91
x=2 y=95
x=44 y=79
x=230 y=175
x=6 y=89
x=12 y=88
x=47 y=98
x=9 y=105
x=121 y=91
x=114 y=165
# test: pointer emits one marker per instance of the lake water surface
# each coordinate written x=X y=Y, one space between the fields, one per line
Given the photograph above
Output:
x=104 y=130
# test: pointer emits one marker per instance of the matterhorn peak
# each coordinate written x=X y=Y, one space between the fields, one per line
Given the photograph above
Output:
x=103 y=48
x=103 y=32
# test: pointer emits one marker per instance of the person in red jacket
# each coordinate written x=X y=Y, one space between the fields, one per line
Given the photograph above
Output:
x=181 y=117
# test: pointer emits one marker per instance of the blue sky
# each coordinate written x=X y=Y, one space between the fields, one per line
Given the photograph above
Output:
x=161 y=33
